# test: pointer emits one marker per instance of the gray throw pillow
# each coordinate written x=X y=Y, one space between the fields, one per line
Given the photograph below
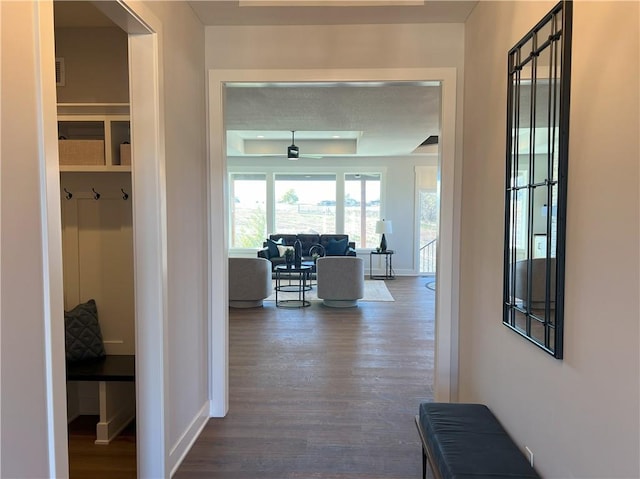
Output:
x=83 y=338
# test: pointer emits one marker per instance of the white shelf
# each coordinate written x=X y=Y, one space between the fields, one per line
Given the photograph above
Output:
x=96 y=121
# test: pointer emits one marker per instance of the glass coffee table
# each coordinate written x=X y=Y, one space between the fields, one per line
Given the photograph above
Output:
x=293 y=280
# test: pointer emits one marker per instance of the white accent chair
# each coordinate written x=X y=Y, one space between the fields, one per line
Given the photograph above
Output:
x=249 y=282
x=340 y=280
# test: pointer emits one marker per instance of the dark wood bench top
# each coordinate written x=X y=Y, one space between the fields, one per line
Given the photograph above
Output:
x=109 y=368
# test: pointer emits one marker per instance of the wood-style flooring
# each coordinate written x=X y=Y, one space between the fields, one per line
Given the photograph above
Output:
x=314 y=393
x=88 y=460
x=323 y=393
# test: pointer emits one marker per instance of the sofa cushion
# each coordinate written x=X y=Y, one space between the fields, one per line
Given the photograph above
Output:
x=337 y=248
x=308 y=240
x=326 y=238
x=286 y=239
x=283 y=249
x=273 y=247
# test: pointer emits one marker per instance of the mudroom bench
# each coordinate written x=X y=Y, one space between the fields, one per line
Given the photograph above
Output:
x=464 y=441
x=115 y=376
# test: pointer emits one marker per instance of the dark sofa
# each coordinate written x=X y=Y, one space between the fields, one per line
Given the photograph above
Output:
x=332 y=245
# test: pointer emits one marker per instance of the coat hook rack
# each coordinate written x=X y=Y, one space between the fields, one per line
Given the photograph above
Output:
x=68 y=194
x=125 y=195
x=96 y=195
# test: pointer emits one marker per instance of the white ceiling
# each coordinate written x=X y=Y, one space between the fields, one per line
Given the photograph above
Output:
x=309 y=12
x=371 y=120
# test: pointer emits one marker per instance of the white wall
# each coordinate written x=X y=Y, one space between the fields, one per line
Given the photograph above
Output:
x=183 y=78
x=399 y=195
x=580 y=416
x=33 y=426
x=97 y=252
x=31 y=306
x=96 y=67
x=335 y=46
x=350 y=46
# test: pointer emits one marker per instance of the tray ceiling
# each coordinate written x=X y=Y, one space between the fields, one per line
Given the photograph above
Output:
x=331 y=119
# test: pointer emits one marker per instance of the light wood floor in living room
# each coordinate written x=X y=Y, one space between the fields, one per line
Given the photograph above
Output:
x=314 y=393
x=324 y=393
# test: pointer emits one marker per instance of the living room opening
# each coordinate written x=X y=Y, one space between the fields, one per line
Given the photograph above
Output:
x=222 y=163
x=362 y=150
x=362 y=147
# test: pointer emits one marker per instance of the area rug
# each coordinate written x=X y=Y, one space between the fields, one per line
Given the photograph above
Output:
x=373 y=291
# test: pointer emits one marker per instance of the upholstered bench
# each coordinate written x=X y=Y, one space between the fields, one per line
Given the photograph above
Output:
x=466 y=441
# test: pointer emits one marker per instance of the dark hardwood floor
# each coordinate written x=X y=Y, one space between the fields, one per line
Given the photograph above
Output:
x=314 y=393
x=324 y=393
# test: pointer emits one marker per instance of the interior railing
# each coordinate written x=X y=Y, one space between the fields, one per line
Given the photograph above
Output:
x=428 y=257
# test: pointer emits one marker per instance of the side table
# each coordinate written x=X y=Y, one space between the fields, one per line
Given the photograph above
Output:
x=298 y=279
x=388 y=264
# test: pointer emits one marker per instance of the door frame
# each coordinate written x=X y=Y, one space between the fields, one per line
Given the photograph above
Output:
x=150 y=237
x=149 y=195
x=450 y=167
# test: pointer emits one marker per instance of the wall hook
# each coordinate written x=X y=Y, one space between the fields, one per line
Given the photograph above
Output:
x=96 y=195
x=125 y=195
x=68 y=194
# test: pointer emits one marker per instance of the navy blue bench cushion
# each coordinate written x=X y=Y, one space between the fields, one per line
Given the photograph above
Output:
x=468 y=442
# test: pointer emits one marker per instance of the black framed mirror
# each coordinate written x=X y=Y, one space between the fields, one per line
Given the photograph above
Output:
x=536 y=180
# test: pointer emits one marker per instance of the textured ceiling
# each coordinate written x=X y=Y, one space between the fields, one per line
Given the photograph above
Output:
x=370 y=120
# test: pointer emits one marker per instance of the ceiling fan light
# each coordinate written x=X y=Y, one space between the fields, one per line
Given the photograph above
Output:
x=293 y=153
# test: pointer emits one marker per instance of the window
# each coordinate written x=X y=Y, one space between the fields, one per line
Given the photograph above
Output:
x=261 y=203
x=362 y=208
x=305 y=203
x=247 y=202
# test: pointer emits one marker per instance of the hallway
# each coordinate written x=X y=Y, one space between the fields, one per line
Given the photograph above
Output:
x=324 y=393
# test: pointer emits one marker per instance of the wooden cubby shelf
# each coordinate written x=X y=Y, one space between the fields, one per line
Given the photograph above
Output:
x=94 y=128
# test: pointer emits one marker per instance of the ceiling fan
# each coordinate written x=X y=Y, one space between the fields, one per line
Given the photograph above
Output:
x=293 y=152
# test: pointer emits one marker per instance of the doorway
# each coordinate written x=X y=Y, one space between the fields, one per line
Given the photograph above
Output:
x=446 y=314
x=92 y=87
x=149 y=251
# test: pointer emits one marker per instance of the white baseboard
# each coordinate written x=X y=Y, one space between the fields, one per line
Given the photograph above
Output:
x=117 y=409
x=188 y=438
x=111 y=429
